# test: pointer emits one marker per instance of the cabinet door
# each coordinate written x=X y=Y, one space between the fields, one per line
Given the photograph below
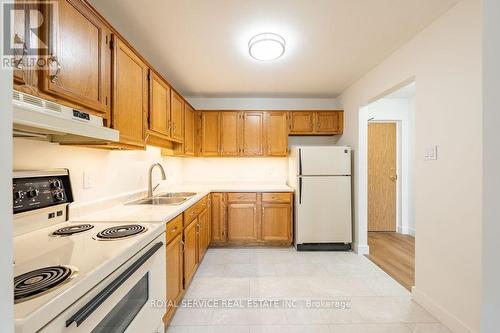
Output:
x=253 y=133
x=210 y=134
x=177 y=117
x=242 y=222
x=78 y=43
x=276 y=134
x=189 y=131
x=130 y=98
x=20 y=40
x=327 y=122
x=276 y=222
x=230 y=133
x=218 y=229
x=301 y=122
x=190 y=251
x=159 y=111
x=203 y=234
x=174 y=272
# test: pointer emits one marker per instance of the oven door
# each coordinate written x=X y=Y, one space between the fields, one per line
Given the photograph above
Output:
x=126 y=301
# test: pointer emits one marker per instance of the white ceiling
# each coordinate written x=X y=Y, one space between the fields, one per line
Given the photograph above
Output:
x=201 y=45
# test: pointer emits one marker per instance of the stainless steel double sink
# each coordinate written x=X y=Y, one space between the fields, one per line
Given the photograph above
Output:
x=171 y=198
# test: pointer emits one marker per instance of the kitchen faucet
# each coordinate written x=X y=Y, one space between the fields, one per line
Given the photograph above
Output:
x=150 y=178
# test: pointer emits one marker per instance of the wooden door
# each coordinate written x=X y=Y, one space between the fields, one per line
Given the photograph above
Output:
x=210 y=133
x=203 y=234
x=276 y=134
x=327 y=122
x=253 y=133
x=276 y=222
x=159 y=111
x=177 y=117
x=189 y=131
x=190 y=251
x=301 y=122
x=20 y=38
x=382 y=177
x=230 y=133
x=174 y=272
x=242 y=222
x=130 y=95
x=79 y=44
x=218 y=228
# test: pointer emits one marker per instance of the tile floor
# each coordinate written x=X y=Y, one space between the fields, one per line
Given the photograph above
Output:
x=375 y=302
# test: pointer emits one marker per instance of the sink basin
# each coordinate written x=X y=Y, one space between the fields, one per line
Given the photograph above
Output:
x=176 y=195
x=159 y=201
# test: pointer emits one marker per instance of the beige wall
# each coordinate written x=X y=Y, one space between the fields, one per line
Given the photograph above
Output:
x=445 y=60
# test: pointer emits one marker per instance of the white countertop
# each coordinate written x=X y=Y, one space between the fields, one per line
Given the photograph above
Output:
x=164 y=213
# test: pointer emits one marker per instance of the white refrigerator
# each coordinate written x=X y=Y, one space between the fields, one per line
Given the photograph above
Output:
x=321 y=177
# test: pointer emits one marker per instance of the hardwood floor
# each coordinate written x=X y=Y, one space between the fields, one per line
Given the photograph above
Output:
x=395 y=254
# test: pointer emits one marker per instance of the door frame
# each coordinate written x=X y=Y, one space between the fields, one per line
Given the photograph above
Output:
x=399 y=163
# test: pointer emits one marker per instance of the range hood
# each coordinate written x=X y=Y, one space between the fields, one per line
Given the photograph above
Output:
x=35 y=117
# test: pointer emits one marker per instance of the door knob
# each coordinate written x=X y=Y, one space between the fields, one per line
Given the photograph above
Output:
x=394 y=177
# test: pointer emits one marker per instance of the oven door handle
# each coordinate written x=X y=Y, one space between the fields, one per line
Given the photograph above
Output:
x=81 y=315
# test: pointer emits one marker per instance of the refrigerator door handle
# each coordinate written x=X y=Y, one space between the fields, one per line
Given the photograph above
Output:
x=300 y=161
x=300 y=190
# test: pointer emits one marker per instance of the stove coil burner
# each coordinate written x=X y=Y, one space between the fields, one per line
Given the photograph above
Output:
x=71 y=230
x=121 y=231
x=40 y=281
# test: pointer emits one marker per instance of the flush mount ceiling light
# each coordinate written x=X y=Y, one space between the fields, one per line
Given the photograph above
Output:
x=267 y=46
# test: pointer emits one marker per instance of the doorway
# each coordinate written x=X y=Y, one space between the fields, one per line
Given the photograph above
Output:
x=389 y=159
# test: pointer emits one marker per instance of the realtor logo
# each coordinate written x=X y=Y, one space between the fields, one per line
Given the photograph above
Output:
x=22 y=44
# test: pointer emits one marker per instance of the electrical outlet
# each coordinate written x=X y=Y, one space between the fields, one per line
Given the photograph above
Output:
x=87 y=180
x=430 y=153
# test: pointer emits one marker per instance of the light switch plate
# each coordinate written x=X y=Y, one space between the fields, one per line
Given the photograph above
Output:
x=430 y=153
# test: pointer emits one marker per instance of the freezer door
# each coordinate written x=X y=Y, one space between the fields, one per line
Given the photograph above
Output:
x=323 y=161
x=323 y=210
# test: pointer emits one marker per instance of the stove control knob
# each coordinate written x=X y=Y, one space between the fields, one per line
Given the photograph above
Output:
x=18 y=195
x=58 y=196
x=56 y=183
x=32 y=193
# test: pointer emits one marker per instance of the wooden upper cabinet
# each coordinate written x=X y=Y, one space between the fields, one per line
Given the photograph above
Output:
x=159 y=110
x=276 y=222
x=20 y=38
x=242 y=222
x=80 y=56
x=230 y=133
x=189 y=130
x=210 y=133
x=276 y=134
x=328 y=122
x=177 y=117
x=130 y=95
x=253 y=133
x=301 y=122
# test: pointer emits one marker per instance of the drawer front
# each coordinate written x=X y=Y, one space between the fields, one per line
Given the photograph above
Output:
x=174 y=228
x=193 y=211
x=242 y=197
x=277 y=197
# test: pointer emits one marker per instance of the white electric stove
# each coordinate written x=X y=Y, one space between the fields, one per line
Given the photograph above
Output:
x=82 y=277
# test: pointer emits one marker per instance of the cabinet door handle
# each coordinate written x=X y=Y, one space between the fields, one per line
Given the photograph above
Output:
x=173 y=230
x=55 y=76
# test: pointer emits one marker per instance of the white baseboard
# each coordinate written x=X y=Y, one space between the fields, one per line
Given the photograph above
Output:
x=443 y=315
x=406 y=230
x=361 y=249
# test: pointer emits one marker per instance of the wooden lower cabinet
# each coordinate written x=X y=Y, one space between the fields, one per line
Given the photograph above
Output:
x=242 y=222
x=276 y=222
x=218 y=219
x=251 y=218
x=190 y=250
x=175 y=274
x=203 y=234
